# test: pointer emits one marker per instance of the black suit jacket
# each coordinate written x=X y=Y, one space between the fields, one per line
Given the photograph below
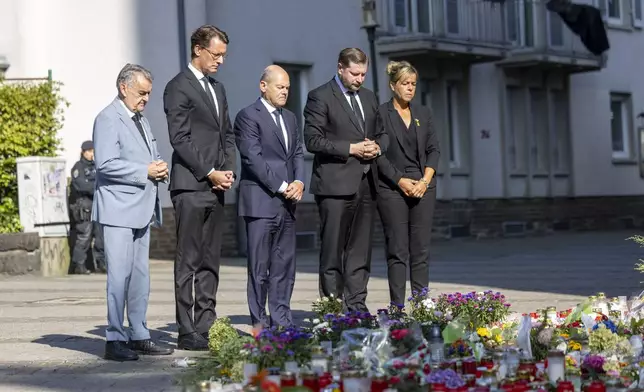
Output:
x=329 y=128
x=390 y=164
x=201 y=139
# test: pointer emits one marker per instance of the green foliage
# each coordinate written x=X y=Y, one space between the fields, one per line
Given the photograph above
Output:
x=639 y=266
x=220 y=332
x=31 y=114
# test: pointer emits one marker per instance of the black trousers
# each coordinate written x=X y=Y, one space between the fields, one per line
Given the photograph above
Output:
x=407 y=224
x=271 y=268
x=85 y=232
x=346 y=226
x=199 y=217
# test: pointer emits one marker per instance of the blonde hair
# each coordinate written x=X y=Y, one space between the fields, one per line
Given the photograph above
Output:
x=397 y=69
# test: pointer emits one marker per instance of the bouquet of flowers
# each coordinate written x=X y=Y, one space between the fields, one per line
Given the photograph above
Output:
x=459 y=349
x=327 y=305
x=447 y=377
x=272 y=348
x=331 y=326
x=481 y=309
x=423 y=309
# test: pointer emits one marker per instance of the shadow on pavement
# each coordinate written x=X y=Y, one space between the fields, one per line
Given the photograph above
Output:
x=148 y=374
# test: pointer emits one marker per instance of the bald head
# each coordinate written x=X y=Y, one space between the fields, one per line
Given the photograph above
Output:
x=271 y=72
x=274 y=85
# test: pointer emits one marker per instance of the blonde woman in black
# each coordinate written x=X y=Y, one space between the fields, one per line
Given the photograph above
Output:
x=407 y=187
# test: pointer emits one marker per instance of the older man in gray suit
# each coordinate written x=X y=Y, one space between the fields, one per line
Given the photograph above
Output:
x=128 y=169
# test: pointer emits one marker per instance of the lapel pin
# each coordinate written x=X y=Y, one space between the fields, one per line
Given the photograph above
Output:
x=417 y=122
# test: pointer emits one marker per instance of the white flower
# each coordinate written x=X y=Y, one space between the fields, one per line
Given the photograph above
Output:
x=562 y=347
x=429 y=304
x=321 y=327
x=339 y=300
x=325 y=299
x=331 y=295
x=316 y=321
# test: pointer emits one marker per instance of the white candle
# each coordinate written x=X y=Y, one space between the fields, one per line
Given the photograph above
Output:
x=250 y=369
x=556 y=366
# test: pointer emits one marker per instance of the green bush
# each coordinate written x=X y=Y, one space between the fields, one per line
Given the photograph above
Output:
x=31 y=114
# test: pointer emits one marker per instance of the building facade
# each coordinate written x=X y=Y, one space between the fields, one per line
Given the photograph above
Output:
x=536 y=133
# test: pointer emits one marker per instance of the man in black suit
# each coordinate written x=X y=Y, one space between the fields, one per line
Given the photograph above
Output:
x=202 y=170
x=345 y=132
x=272 y=182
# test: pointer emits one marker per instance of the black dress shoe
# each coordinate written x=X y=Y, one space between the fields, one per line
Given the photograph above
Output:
x=148 y=347
x=119 y=351
x=192 y=342
x=81 y=270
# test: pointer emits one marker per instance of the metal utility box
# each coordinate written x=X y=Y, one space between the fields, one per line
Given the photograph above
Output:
x=42 y=195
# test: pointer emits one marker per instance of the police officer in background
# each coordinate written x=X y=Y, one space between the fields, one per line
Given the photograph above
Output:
x=80 y=203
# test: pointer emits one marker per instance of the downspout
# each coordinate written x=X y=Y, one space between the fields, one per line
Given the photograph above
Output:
x=181 y=27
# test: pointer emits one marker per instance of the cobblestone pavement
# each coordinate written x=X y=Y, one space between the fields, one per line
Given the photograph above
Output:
x=51 y=330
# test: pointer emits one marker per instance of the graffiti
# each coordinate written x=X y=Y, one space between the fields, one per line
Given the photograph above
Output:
x=54 y=256
x=53 y=181
x=31 y=206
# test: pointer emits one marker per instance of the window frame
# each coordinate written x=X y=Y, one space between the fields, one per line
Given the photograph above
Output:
x=626 y=110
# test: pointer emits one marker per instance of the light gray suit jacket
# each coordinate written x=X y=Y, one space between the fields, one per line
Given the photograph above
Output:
x=124 y=197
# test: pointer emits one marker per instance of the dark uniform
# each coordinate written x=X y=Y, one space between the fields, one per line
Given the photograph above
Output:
x=80 y=203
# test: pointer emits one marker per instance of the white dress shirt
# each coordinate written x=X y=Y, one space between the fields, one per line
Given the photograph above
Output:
x=345 y=92
x=199 y=75
x=282 y=126
x=132 y=114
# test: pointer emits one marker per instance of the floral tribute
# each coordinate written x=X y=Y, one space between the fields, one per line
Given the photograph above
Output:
x=454 y=342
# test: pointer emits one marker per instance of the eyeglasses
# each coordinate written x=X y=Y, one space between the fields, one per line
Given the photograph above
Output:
x=216 y=56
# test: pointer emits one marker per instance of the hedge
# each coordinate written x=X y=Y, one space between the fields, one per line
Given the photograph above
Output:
x=31 y=114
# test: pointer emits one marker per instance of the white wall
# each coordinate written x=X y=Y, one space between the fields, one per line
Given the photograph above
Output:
x=593 y=170
x=85 y=44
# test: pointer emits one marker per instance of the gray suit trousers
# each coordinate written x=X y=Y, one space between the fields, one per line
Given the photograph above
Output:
x=128 y=281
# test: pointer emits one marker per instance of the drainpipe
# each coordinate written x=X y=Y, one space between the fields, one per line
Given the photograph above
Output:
x=181 y=27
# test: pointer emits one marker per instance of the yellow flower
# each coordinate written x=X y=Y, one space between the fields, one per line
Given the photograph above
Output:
x=574 y=346
x=498 y=339
x=564 y=335
x=483 y=332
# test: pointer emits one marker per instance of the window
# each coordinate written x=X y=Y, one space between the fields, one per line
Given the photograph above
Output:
x=636 y=12
x=453 y=125
x=425 y=92
x=516 y=129
x=614 y=10
x=539 y=131
x=620 y=126
x=299 y=77
x=561 y=146
x=400 y=13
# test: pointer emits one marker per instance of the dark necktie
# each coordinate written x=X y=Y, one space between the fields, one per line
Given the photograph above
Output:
x=137 y=121
x=356 y=109
x=277 y=113
x=209 y=93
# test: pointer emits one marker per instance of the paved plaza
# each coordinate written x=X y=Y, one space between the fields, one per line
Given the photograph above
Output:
x=51 y=329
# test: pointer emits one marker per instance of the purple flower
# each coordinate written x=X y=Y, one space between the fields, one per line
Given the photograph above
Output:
x=594 y=362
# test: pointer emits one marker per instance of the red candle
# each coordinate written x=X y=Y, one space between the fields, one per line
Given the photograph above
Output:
x=469 y=366
x=379 y=384
x=596 y=386
x=439 y=386
x=288 y=379
x=565 y=386
x=310 y=381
